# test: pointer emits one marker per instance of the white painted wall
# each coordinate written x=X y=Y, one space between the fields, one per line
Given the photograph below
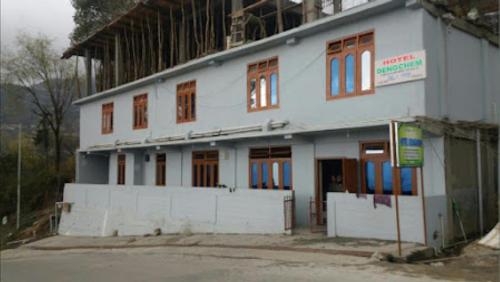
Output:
x=350 y=216
x=98 y=210
x=221 y=90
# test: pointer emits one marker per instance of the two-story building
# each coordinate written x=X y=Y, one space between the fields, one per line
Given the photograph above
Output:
x=299 y=108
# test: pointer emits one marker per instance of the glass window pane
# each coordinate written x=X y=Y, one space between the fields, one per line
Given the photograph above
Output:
x=263 y=91
x=366 y=66
x=276 y=175
x=253 y=94
x=209 y=176
x=387 y=177
x=186 y=107
x=179 y=107
x=334 y=79
x=349 y=74
x=287 y=175
x=370 y=177
x=274 y=89
x=216 y=175
x=406 y=180
x=195 y=175
x=193 y=106
x=255 y=175
x=265 y=175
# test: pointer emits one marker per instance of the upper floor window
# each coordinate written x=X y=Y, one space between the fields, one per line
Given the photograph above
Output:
x=350 y=66
x=107 y=118
x=141 y=111
x=262 y=85
x=186 y=101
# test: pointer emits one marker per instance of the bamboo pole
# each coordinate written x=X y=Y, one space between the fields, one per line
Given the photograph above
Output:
x=279 y=15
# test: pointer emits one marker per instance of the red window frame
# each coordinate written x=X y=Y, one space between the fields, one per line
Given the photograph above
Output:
x=140 y=111
x=378 y=160
x=339 y=49
x=161 y=164
x=270 y=155
x=205 y=167
x=255 y=71
x=186 y=101
x=107 y=118
x=122 y=159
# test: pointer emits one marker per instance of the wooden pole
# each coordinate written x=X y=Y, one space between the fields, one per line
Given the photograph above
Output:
x=398 y=228
x=118 y=65
x=88 y=71
x=393 y=126
x=279 y=15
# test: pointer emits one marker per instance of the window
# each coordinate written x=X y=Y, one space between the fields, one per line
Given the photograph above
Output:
x=350 y=66
x=121 y=169
x=379 y=177
x=107 y=118
x=141 y=111
x=186 y=101
x=205 y=169
x=161 y=169
x=271 y=168
x=263 y=87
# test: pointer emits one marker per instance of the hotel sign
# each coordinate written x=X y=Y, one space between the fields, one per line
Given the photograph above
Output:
x=397 y=69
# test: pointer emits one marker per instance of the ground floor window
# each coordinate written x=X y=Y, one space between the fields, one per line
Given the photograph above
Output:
x=121 y=169
x=379 y=177
x=271 y=168
x=161 y=161
x=205 y=169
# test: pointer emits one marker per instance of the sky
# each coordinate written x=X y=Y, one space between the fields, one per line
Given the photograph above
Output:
x=53 y=18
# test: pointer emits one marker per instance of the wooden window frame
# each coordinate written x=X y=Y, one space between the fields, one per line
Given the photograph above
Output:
x=140 y=111
x=121 y=169
x=379 y=159
x=209 y=159
x=266 y=71
x=340 y=54
x=185 y=93
x=107 y=118
x=269 y=160
x=161 y=169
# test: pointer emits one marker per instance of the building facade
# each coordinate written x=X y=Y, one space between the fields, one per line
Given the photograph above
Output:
x=305 y=111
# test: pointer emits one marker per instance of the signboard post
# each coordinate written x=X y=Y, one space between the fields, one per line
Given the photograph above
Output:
x=407 y=150
x=410 y=150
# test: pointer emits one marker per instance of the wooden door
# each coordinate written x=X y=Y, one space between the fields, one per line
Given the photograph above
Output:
x=350 y=175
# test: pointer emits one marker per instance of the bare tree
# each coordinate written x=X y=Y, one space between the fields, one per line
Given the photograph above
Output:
x=35 y=65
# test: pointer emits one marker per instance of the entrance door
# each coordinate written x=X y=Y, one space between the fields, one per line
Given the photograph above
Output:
x=334 y=175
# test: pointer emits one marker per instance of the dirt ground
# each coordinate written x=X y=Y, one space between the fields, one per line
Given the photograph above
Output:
x=199 y=257
x=476 y=263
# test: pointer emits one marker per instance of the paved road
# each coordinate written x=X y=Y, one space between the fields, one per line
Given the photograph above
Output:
x=193 y=264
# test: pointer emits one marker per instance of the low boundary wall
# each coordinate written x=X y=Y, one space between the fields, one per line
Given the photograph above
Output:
x=351 y=216
x=99 y=210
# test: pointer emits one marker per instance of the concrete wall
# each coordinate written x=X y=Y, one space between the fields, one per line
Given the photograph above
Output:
x=221 y=90
x=234 y=162
x=349 y=216
x=462 y=74
x=98 y=210
x=92 y=168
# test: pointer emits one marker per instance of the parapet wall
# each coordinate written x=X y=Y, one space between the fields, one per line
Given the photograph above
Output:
x=100 y=210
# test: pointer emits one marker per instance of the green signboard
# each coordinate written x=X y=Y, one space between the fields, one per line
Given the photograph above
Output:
x=410 y=148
